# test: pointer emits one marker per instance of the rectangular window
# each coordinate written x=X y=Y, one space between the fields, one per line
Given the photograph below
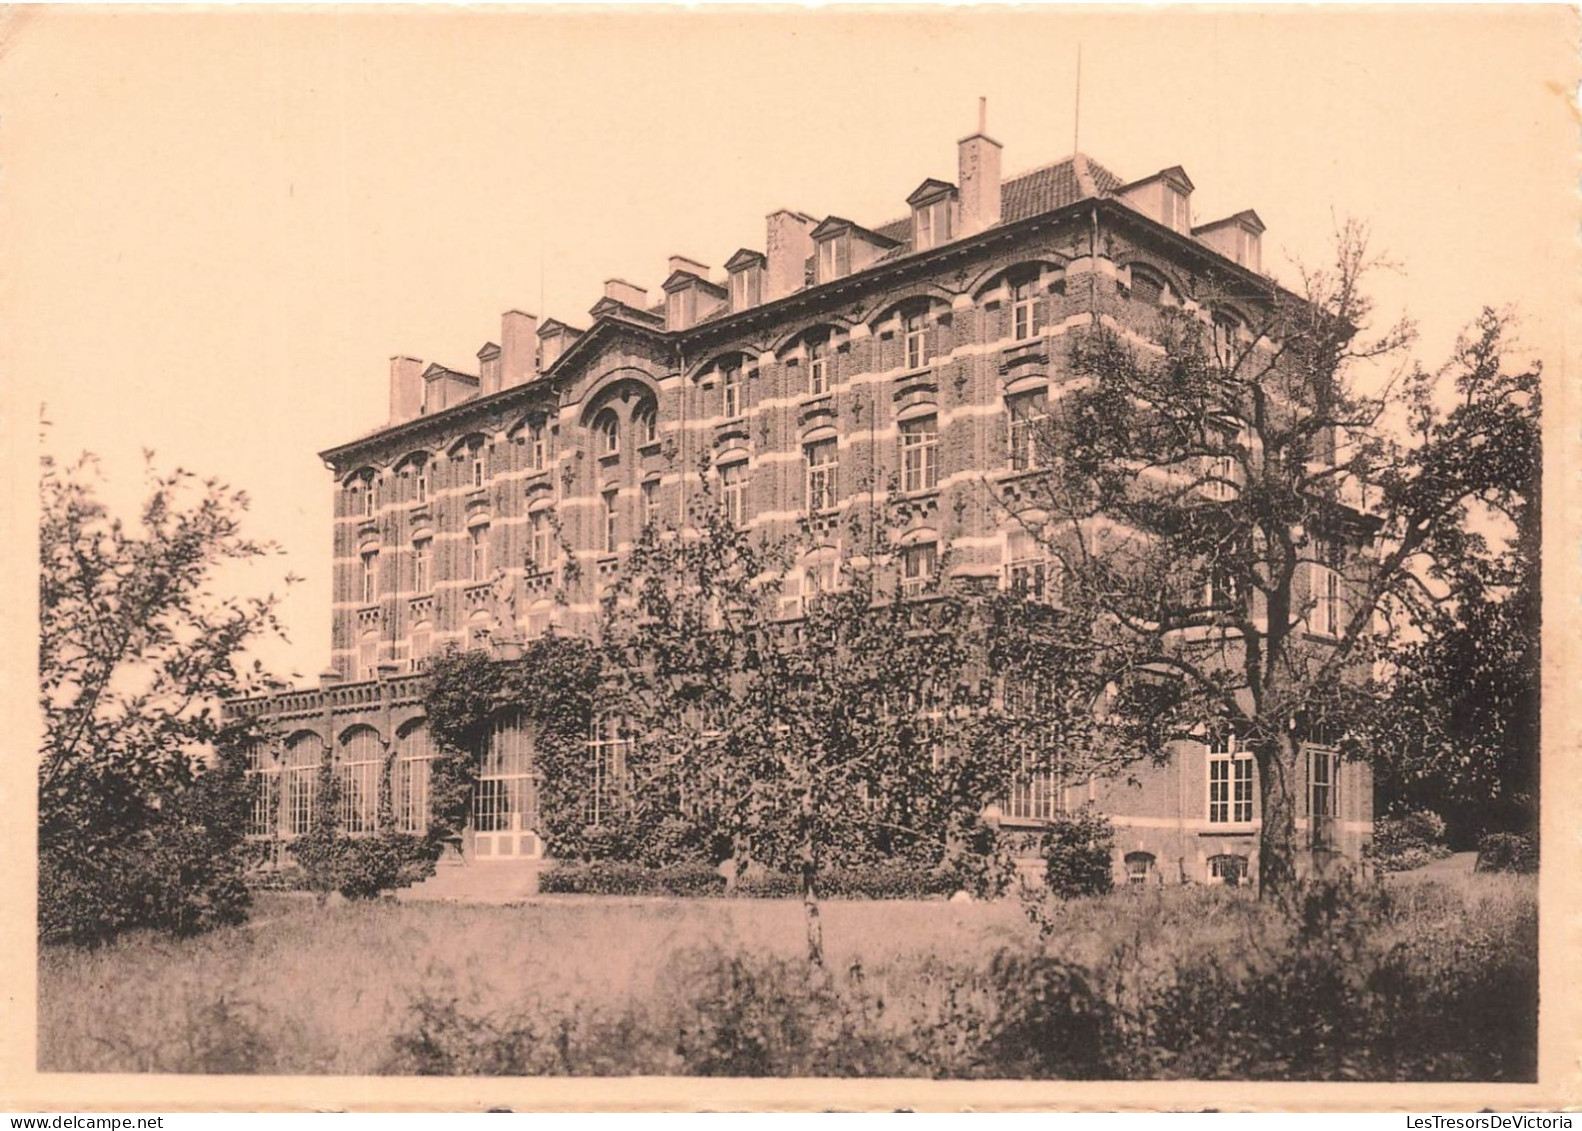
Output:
x=918 y=564
x=422 y=645
x=1035 y=791
x=1029 y=428
x=1326 y=616
x=422 y=483
x=478 y=537
x=607 y=750
x=933 y=225
x=733 y=491
x=731 y=380
x=611 y=533
x=651 y=502
x=370 y=579
x=1022 y=311
x=477 y=468
x=817 y=369
x=538 y=451
x=920 y=454
x=368 y=499
x=1229 y=783
x=822 y=476
x=543 y=541
x=916 y=329
x=1030 y=570
x=834 y=258
x=745 y=288
x=422 y=551
x=1323 y=796
x=368 y=656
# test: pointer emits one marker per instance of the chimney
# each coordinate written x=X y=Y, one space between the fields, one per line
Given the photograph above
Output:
x=789 y=242
x=978 y=162
x=690 y=266
x=489 y=368
x=518 y=348
x=406 y=389
x=626 y=293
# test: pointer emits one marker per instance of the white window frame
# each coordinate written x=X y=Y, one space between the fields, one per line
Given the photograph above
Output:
x=914 y=329
x=731 y=390
x=608 y=427
x=1026 y=416
x=1135 y=877
x=1022 y=296
x=1231 y=782
x=422 y=560
x=1324 y=585
x=1032 y=570
x=650 y=494
x=734 y=481
x=823 y=475
x=608 y=751
x=647 y=421
x=409 y=780
x=370 y=577
x=357 y=770
x=422 y=644
x=612 y=531
x=919 y=563
x=919 y=438
x=541 y=533
x=368 y=655
x=818 y=382
x=537 y=446
x=299 y=783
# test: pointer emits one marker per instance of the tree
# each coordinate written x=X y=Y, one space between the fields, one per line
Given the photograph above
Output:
x=137 y=827
x=808 y=716
x=1229 y=514
x=1459 y=732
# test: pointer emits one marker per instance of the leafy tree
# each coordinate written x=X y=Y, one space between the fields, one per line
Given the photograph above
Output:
x=1200 y=488
x=865 y=724
x=137 y=827
x=1459 y=730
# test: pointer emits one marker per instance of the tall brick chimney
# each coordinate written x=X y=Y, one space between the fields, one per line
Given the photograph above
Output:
x=406 y=389
x=518 y=348
x=978 y=163
x=789 y=242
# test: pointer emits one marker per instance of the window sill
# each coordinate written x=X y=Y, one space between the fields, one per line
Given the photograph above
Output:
x=817 y=400
x=608 y=459
x=652 y=448
x=921 y=495
x=1233 y=828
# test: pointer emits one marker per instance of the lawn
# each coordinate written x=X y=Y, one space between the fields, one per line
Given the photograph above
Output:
x=1125 y=985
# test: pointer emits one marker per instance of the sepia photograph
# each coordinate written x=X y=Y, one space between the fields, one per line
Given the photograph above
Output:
x=905 y=544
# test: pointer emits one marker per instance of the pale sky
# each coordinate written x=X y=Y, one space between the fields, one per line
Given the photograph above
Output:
x=220 y=225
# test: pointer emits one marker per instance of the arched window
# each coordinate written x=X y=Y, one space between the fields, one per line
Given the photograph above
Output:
x=540 y=618
x=263 y=785
x=505 y=800
x=1227 y=869
x=1140 y=867
x=300 y=781
x=607 y=427
x=369 y=581
x=647 y=421
x=358 y=774
x=410 y=777
x=1147 y=287
x=608 y=747
x=734 y=480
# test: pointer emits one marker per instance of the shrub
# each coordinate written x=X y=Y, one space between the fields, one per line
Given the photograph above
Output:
x=1077 y=854
x=1407 y=840
x=605 y=877
x=983 y=865
x=1507 y=852
x=864 y=881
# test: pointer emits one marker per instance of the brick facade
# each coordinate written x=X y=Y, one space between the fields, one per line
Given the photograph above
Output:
x=455 y=522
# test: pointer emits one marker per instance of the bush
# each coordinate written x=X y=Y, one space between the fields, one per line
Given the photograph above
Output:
x=864 y=881
x=983 y=866
x=1507 y=852
x=605 y=877
x=1407 y=840
x=1077 y=854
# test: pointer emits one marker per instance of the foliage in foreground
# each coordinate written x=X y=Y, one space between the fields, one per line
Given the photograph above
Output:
x=1406 y=840
x=137 y=828
x=1419 y=980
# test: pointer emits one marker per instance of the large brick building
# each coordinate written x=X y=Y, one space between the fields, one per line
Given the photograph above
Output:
x=919 y=352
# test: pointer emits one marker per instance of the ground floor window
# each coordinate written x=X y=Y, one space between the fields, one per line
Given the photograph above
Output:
x=1229 y=782
x=300 y=782
x=362 y=754
x=1227 y=869
x=505 y=799
x=263 y=783
x=608 y=746
x=409 y=779
x=1139 y=867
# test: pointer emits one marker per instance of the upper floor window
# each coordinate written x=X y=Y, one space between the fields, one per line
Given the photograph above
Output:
x=422 y=556
x=478 y=475
x=746 y=288
x=542 y=548
x=422 y=482
x=733 y=491
x=818 y=382
x=370 y=497
x=422 y=644
x=1146 y=287
x=731 y=383
x=537 y=446
x=1325 y=619
x=915 y=329
x=918 y=564
x=931 y=225
x=478 y=547
x=1030 y=570
x=1227 y=336
x=650 y=490
x=611 y=528
x=368 y=656
x=370 y=577
x=834 y=257
x=1229 y=782
x=608 y=430
x=1029 y=416
x=1022 y=310
x=823 y=468
x=920 y=454
x=1174 y=209
x=647 y=421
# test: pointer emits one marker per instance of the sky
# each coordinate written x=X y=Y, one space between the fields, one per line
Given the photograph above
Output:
x=221 y=224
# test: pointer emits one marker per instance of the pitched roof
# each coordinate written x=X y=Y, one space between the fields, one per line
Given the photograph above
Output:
x=1052 y=186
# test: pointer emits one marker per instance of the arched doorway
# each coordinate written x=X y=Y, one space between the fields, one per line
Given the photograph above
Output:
x=505 y=802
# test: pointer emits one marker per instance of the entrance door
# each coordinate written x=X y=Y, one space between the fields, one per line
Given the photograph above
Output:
x=505 y=803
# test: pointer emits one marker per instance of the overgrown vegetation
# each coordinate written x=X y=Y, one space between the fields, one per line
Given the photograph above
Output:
x=1406 y=840
x=1078 y=850
x=141 y=805
x=1419 y=980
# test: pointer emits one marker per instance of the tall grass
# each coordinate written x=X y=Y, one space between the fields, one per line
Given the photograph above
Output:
x=1429 y=981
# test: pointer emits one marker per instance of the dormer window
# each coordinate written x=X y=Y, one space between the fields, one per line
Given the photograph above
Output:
x=1174 y=208
x=834 y=257
x=681 y=309
x=931 y=224
x=746 y=270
